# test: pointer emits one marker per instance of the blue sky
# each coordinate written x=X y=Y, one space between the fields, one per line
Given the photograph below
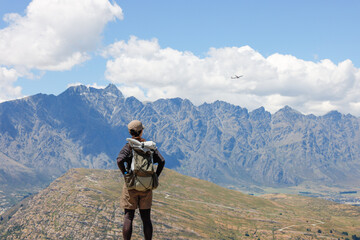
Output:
x=305 y=54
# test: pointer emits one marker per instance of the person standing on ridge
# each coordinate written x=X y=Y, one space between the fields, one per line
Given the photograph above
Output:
x=139 y=182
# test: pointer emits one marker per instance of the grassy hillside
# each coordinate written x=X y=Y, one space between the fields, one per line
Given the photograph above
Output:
x=84 y=204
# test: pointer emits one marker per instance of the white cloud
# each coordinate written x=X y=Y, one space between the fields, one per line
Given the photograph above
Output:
x=149 y=72
x=94 y=85
x=55 y=35
x=7 y=79
x=133 y=91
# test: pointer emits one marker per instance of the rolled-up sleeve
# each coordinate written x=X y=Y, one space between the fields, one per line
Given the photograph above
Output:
x=159 y=159
x=124 y=157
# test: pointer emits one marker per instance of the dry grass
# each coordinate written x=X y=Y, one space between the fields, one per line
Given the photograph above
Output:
x=85 y=204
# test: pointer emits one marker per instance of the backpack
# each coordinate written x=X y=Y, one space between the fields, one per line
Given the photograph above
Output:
x=142 y=176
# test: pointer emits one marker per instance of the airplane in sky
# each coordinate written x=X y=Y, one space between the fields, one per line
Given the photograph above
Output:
x=236 y=76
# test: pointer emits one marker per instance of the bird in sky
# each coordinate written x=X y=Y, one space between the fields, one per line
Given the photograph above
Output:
x=236 y=76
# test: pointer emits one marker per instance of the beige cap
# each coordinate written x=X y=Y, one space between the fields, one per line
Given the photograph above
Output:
x=135 y=125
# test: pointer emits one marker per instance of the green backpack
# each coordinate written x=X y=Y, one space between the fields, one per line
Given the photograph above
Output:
x=142 y=176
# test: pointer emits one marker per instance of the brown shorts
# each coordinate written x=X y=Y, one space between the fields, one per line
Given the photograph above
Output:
x=133 y=199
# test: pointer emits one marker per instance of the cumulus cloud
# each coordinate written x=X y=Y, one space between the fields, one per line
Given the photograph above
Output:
x=7 y=90
x=144 y=69
x=53 y=35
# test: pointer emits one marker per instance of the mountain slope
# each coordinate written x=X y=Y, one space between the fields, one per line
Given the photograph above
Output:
x=14 y=172
x=219 y=142
x=85 y=204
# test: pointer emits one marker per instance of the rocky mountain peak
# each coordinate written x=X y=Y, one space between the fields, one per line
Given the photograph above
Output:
x=133 y=102
x=112 y=89
x=289 y=110
x=77 y=89
x=84 y=127
x=333 y=115
x=259 y=114
x=288 y=113
x=82 y=90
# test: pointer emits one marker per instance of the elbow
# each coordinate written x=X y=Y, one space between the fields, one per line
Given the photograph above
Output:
x=119 y=162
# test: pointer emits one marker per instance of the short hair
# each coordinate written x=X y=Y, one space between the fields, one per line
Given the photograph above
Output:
x=135 y=133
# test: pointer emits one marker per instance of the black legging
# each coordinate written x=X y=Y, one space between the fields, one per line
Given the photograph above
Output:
x=147 y=225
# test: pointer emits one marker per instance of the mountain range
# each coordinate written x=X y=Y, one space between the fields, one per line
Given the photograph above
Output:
x=43 y=136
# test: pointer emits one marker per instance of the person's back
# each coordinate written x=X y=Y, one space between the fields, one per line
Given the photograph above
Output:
x=131 y=198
